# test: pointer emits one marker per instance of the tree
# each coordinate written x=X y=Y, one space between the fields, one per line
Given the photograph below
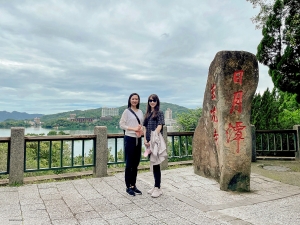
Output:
x=275 y=110
x=265 y=9
x=188 y=121
x=265 y=110
x=279 y=49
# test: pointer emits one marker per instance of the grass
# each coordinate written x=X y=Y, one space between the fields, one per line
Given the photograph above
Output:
x=291 y=176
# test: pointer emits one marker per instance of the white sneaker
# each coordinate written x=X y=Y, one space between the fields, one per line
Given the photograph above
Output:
x=156 y=192
x=151 y=191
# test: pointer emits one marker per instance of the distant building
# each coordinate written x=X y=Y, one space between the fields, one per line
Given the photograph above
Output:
x=37 y=121
x=106 y=118
x=168 y=118
x=168 y=114
x=80 y=119
x=109 y=112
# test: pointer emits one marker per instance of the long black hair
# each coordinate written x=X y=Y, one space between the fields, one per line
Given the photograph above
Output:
x=129 y=103
x=156 y=108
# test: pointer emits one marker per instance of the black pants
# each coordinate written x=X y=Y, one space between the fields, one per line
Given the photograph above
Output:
x=157 y=175
x=133 y=149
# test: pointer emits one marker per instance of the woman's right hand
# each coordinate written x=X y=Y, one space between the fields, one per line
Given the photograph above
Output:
x=138 y=128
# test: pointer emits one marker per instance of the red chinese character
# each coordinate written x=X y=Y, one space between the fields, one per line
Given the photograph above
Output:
x=238 y=76
x=216 y=136
x=236 y=132
x=213 y=92
x=213 y=112
x=237 y=102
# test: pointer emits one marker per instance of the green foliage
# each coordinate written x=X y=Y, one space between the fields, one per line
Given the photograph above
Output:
x=275 y=110
x=60 y=119
x=265 y=9
x=53 y=132
x=3 y=158
x=181 y=149
x=90 y=113
x=14 y=123
x=280 y=47
x=188 y=121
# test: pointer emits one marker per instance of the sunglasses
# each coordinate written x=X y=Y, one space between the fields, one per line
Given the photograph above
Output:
x=151 y=100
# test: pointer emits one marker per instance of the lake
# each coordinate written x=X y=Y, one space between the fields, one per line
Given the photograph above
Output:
x=40 y=130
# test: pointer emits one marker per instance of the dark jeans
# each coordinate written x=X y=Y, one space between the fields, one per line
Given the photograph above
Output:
x=157 y=175
x=133 y=149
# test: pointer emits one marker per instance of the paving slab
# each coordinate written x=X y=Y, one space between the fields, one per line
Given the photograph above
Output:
x=187 y=199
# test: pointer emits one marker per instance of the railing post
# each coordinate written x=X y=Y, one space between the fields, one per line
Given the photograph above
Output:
x=100 y=169
x=253 y=133
x=164 y=164
x=16 y=165
x=297 y=154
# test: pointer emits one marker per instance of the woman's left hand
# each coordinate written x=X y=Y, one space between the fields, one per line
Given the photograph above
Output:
x=147 y=144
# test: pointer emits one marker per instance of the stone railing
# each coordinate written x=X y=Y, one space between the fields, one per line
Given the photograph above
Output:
x=17 y=149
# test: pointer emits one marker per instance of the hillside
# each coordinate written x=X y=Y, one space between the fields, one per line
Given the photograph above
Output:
x=4 y=115
x=96 y=113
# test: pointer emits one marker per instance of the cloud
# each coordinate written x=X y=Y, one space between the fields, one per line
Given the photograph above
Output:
x=57 y=56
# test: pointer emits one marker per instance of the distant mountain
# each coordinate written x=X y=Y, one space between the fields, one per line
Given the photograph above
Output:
x=4 y=115
x=176 y=109
x=89 y=113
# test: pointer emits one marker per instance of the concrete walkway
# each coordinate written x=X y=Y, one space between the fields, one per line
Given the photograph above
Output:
x=187 y=199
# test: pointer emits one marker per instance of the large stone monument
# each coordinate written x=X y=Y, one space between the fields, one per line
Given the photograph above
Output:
x=222 y=143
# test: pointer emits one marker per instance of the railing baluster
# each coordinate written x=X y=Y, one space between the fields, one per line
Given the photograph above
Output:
x=82 y=157
x=61 y=152
x=38 y=156
x=179 y=149
x=173 y=146
x=186 y=145
x=116 y=150
x=274 y=139
x=72 y=154
x=268 y=142
x=50 y=154
x=287 y=142
x=281 y=144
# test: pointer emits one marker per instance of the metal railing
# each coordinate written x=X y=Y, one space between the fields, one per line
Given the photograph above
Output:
x=4 y=153
x=180 y=145
x=118 y=156
x=57 y=152
x=276 y=142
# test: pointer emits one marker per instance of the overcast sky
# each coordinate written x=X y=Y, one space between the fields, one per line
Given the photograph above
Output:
x=57 y=56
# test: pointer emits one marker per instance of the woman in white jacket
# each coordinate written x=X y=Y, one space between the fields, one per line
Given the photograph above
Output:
x=153 y=121
x=131 y=121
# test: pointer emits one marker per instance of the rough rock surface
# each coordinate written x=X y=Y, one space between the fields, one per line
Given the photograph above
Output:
x=222 y=145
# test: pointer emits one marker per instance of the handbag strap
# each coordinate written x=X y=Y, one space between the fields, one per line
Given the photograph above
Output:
x=135 y=115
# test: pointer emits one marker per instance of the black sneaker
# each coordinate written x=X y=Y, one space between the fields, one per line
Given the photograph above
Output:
x=130 y=192
x=136 y=191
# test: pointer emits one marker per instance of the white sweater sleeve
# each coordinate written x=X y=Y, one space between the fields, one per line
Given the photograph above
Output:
x=123 y=121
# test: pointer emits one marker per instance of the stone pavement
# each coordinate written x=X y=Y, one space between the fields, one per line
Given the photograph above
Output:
x=187 y=199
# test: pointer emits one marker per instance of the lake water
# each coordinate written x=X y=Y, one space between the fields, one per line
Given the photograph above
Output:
x=77 y=144
x=40 y=130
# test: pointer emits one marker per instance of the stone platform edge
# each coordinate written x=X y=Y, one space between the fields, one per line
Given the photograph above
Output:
x=83 y=174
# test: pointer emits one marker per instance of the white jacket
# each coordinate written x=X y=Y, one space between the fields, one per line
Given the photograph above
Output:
x=158 y=149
